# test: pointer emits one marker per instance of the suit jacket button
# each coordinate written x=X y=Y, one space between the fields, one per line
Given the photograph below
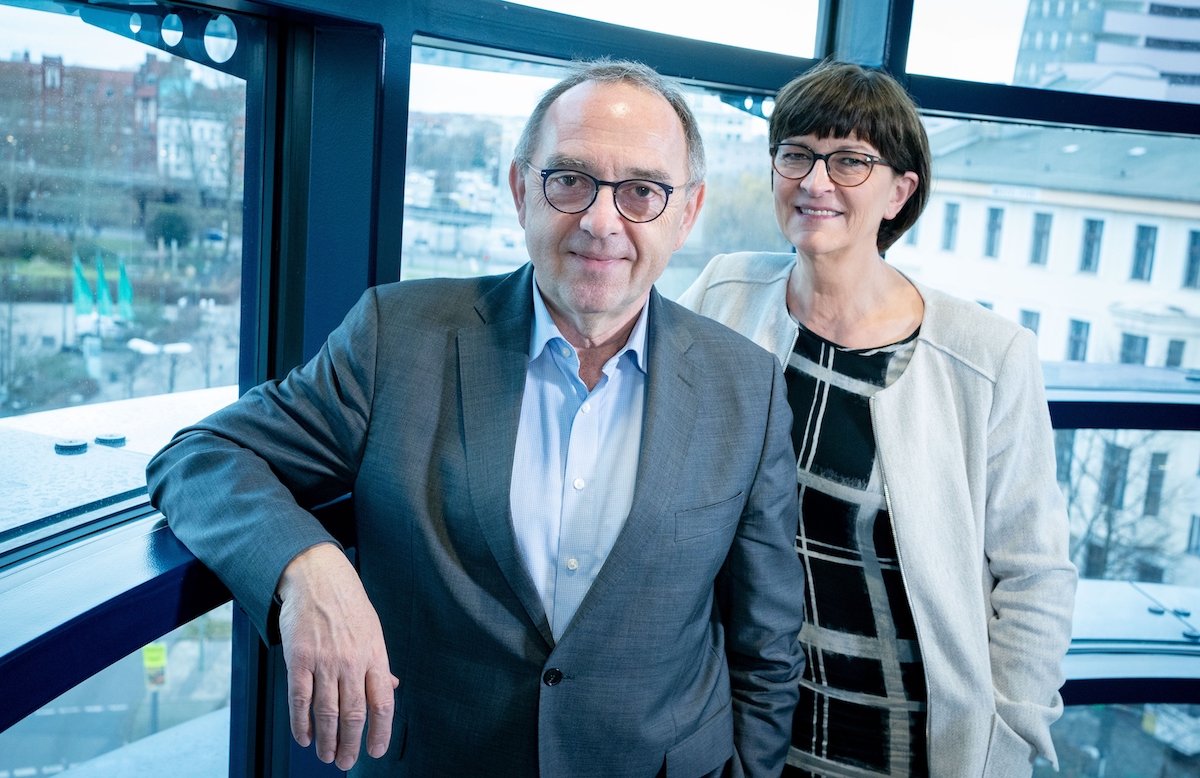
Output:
x=552 y=676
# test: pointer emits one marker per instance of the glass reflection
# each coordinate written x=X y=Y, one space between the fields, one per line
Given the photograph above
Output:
x=1104 y=47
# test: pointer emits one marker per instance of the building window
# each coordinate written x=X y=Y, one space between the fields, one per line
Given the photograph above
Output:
x=1089 y=258
x=1193 y=546
x=1040 y=250
x=1112 y=476
x=1064 y=453
x=1143 y=252
x=1030 y=320
x=910 y=237
x=1148 y=572
x=1133 y=349
x=1078 y=341
x=950 y=227
x=1097 y=560
x=987 y=305
x=1191 y=277
x=995 y=222
x=1154 y=484
x=1175 y=353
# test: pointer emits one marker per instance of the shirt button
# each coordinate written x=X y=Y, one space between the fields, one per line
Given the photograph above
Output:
x=572 y=564
x=578 y=483
x=552 y=676
x=586 y=407
x=566 y=352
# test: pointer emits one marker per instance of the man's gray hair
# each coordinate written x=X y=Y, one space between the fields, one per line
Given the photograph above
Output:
x=611 y=71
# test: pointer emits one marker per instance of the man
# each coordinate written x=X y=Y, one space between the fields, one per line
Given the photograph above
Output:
x=575 y=501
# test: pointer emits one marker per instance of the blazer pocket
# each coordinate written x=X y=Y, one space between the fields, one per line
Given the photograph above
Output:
x=1008 y=755
x=695 y=522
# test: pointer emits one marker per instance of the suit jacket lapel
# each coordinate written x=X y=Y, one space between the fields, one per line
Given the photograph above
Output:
x=671 y=403
x=492 y=359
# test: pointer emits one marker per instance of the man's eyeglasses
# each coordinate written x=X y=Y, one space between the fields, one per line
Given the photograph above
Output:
x=845 y=168
x=637 y=199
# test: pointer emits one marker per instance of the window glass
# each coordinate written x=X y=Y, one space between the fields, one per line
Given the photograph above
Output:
x=165 y=702
x=121 y=179
x=1131 y=498
x=1125 y=740
x=1106 y=47
x=1115 y=244
x=1040 y=248
x=766 y=25
x=459 y=217
x=995 y=222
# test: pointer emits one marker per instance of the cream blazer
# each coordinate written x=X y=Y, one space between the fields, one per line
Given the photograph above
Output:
x=964 y=441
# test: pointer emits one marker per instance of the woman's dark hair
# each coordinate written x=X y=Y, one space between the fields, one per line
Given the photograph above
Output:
x=835 y=99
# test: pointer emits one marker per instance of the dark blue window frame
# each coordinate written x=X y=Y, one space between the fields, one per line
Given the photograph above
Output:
x=321 y=184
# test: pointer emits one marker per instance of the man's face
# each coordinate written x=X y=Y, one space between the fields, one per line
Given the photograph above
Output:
x=595 y=268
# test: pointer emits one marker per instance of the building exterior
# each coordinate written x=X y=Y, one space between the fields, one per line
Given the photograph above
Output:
x=1113 y=47
x=83 y=146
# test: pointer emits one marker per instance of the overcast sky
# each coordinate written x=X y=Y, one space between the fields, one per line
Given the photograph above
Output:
x=968 y=39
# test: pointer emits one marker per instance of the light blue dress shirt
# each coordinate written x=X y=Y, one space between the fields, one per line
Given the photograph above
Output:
x=576 y=462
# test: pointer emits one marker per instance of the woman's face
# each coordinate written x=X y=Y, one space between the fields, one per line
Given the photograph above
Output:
x=821 y=218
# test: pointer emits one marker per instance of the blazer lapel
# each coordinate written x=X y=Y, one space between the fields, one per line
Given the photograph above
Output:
x=671 y=403
x=492 y=360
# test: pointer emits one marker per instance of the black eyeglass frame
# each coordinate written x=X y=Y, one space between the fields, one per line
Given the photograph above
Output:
x=874 y=160
x=668 y=190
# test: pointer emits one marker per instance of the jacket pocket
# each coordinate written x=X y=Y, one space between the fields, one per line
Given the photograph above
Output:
x=704 y=750
x=399 y=736
x=1008 y=755
x=695 y=522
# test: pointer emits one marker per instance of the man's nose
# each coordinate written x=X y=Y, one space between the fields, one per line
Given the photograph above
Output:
x=602 y=217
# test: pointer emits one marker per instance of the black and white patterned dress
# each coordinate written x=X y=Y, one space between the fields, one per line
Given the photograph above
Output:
x=862 y=696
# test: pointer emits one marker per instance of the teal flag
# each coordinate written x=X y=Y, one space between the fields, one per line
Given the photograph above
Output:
x=85 y=303
x=124 y=293
x=104 y=304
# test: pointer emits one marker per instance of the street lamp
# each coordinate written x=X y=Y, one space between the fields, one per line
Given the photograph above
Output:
x=173 y=350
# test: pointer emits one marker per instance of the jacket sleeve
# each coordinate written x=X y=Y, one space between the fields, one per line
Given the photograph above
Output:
x=1026 y=542
x=236 y=487
x=764 y=603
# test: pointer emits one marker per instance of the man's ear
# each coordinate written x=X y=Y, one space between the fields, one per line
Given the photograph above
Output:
x=516 y=182
x=691 y=209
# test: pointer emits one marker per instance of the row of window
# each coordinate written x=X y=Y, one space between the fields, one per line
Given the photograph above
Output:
x=1133 y=347
x=1114 y=474
x=1089 y=256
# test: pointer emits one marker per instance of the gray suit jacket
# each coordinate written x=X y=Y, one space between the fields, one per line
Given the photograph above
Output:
x=684 y=647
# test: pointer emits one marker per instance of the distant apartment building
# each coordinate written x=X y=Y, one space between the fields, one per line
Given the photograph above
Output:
x=87 y=144
x=1113 y=47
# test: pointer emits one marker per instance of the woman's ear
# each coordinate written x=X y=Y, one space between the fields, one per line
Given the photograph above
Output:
x=903 y=187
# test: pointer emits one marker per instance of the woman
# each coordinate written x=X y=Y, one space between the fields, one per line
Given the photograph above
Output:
x=939 y=593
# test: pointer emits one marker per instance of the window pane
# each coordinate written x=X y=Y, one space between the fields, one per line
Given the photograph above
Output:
x=466 y=113
x=1040 y=248
x=1089 y=255
x=121 y=179
x=995 y=222
x=1124 y=740
x=1030 y=320
x=766 y=25
x=1107 y=47
x=1131 y=506
x=1116 y=243
x=167 y=701
x=950 y=227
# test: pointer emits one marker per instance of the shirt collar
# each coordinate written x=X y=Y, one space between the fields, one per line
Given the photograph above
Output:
x=545 y=330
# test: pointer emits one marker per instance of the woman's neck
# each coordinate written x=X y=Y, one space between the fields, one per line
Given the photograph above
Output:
x=856 y=303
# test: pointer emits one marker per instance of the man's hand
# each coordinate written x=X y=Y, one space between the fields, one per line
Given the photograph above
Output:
x=336 y=659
